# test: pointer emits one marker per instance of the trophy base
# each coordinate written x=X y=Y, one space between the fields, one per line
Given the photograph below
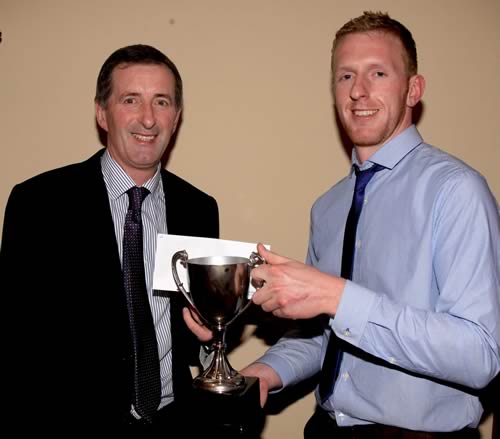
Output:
x=232 y=385
x=231 y=415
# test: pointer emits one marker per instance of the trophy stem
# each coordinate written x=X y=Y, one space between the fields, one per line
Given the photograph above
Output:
x=219 y=377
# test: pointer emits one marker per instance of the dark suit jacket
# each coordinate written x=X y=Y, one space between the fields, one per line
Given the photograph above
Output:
x=66 y=341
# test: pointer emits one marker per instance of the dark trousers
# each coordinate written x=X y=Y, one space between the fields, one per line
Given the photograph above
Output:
x=321 y=425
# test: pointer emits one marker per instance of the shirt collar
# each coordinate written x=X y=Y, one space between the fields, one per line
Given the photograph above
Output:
x=393 y=151
x=118 y=181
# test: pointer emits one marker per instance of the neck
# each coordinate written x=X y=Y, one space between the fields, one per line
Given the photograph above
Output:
x=363 y=153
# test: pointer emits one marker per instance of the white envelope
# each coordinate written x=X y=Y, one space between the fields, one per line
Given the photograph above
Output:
x=195 y=247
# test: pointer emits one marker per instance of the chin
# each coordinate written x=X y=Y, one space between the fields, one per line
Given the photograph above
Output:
x=365 y=137
x=365 y=142
x=147 y=155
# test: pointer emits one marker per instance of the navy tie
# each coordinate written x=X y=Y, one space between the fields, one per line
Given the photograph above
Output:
x=333 y=355
x=147 y=387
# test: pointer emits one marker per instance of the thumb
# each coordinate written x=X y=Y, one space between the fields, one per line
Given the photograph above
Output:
x=269 y=256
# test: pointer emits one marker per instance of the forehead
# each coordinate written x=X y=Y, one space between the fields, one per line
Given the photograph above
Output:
x=142 y=76
x=377 y=47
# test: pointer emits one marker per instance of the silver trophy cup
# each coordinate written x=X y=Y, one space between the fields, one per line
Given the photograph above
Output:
x=218 y=292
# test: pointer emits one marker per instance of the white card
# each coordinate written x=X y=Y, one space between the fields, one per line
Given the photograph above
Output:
x=168 y=245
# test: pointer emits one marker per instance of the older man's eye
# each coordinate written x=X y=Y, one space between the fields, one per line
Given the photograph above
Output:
x=345 y=77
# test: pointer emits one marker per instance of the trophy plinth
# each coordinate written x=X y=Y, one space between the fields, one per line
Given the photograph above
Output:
x=231 y=416
x=218 y=293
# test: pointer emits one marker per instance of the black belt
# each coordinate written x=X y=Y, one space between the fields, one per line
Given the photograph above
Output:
x=321 y=424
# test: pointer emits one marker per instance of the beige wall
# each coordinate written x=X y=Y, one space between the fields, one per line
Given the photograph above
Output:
x=258 y=132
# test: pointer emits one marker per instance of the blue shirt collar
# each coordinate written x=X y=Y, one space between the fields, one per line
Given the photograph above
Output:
x=393 y=151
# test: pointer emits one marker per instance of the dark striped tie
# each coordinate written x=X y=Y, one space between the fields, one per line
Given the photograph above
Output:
x=147 y=387
x=333 y=355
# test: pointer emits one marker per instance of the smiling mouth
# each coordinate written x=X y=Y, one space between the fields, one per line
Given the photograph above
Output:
x=144 y=138
x=364 y=113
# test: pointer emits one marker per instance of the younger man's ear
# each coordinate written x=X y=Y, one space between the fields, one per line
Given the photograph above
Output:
x=415 y=90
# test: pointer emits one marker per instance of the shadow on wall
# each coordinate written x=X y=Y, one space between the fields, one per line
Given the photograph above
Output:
x=270 y=329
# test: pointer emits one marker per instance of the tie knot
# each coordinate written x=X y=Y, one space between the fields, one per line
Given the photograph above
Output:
x=363 y=177
x=136 y=196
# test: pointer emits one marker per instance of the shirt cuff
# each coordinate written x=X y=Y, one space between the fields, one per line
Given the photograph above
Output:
x=352 y=313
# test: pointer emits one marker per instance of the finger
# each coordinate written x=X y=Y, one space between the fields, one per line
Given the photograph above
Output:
x=188 y=318
x=269 y=256
x=260 y=296
x=267 y=303
x=195 y=316
x=191 y=318
x=203 y=333
x=256 y=298
x=264 y=391
x=278 y=312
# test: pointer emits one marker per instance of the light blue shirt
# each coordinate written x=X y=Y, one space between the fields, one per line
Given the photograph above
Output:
x=425 y=294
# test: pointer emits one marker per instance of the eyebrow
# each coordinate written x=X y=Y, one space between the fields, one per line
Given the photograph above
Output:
x=163 y=95
x=156 y=95
x=371 y=66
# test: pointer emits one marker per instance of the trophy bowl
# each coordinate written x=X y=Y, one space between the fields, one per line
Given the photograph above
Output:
x=218 y=293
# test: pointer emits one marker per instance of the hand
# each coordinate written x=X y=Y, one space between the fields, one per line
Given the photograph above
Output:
x=295 y=290
x=194 y=323
x=268 y=379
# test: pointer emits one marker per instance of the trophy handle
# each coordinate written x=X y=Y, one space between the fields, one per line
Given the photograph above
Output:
x=254 y=261
x=182 y=257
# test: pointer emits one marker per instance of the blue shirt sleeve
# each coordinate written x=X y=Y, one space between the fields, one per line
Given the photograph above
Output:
x=458 y=340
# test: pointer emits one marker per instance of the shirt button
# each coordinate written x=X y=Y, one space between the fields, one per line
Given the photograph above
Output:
x=365 y=201
x=347 y=332
x=345 y=376
x=358 y=243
